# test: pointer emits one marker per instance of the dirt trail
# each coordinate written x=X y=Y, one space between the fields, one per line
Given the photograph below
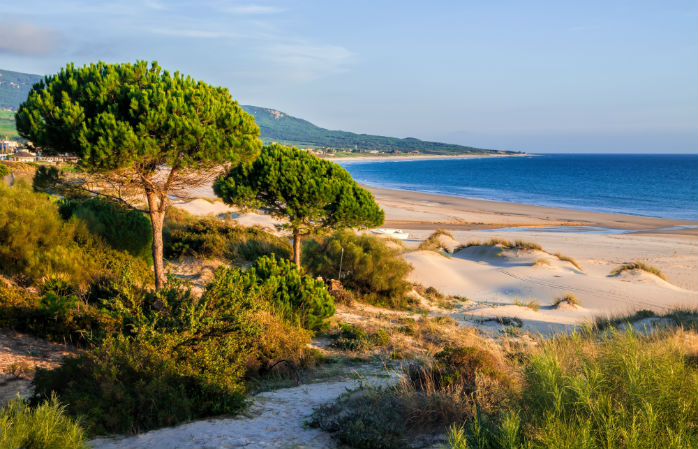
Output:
x=276 y=419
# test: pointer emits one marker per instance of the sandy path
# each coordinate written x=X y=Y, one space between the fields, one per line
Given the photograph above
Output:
x=276 y=419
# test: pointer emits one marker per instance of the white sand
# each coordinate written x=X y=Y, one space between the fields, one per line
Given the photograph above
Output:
x=275 y=420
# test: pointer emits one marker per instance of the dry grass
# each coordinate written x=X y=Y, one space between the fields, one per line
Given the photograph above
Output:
x=568 y=259
x=531 y=304
x=519 y=245
x=433 y=242
x=637 y=265
x=541 y=262
x=568 y=298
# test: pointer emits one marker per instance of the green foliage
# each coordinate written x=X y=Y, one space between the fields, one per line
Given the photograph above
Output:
x=314 y=195
x=185 y=235
x=4 y=171
x=369 y=266
x=44 y=426
x=298 y=297
x=181 y=360
x=147 y=129
x=122 y=228
x=35 y=241
x=118 y=115
x=280 y=127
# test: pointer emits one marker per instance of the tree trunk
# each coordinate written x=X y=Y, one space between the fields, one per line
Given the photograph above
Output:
x=297 y=249
x=157 y=217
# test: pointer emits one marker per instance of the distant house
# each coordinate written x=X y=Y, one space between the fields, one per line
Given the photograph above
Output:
x=24 y=156
x=8 y=146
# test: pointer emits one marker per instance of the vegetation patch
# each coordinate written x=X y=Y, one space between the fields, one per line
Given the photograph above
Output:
x=369 y=266
x=45 y=426
x=209 y=238
x=520 y=245
x=568 y=259
x=568 y=298
x=531 y=304
x=352 y=338
x=434 y=243
x=638 y=266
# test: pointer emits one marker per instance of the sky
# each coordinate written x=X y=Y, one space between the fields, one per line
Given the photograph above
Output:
x=535 y=76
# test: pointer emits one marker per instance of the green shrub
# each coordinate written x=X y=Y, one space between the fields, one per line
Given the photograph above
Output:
x=42 y=427
x=184 y=358
x=4 y=171
x=122 y=228
x=35 y=241
x=299 y=297
x=127 y=385
x=369 y=266
x=185 y=235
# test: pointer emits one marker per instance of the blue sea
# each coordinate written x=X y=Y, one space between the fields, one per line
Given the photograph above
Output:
x=636 y=184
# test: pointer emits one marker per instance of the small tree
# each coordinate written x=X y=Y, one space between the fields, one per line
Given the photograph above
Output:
x=315 y=195
x=4 y=171
x=141 y=133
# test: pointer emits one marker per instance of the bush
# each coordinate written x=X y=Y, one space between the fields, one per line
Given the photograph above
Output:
x=369 y=266
x=43 y=427
x=298 y=297
x=434 y=243
x=185 y=359
x=568 y=298
x=123 y=229
x=35 y=241
x=185 y=235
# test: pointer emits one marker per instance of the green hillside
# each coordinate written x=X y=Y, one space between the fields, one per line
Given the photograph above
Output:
x=14 y=87
x=283 y=128
x=275 y=126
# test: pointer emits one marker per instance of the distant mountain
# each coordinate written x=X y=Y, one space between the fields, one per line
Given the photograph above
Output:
x=283 y=128
x=14 y=87
x=275 y=126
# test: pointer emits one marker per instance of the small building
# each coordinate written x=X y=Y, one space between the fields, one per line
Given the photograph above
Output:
x=24 y=156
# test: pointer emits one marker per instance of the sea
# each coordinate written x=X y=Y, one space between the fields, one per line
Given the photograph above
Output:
x=650 y=185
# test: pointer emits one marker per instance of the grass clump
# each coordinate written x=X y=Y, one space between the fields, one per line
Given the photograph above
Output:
x=531 y=304
x=519 y=245
x=352 y=338
x=568 y=298
x=433 y=242
x=638 y=266
x=541 y=262
x=568 y=259
x=44 y=426
x=370 y=267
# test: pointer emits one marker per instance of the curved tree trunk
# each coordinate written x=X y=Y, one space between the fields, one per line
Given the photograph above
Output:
x=157 y=218
x=297 y=249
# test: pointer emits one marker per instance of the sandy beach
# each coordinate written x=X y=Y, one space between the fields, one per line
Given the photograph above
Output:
x=496 y=280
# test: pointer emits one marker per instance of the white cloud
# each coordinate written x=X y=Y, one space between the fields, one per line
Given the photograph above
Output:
x=28 y=39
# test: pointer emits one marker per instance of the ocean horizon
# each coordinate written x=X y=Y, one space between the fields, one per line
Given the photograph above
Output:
x=653 y=185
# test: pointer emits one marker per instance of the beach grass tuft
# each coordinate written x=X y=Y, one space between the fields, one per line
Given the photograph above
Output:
x=520 y=245
x=564 y=258
x=541 y=262
x=433 y=242
x=531 y=304
x=637 y=265
x=568 y=298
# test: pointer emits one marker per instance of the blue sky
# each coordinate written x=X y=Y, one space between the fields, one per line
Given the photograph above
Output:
x=553 y=76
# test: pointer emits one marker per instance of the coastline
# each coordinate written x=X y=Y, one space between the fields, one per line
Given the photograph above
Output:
x=418 y=157
x=416 y=210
